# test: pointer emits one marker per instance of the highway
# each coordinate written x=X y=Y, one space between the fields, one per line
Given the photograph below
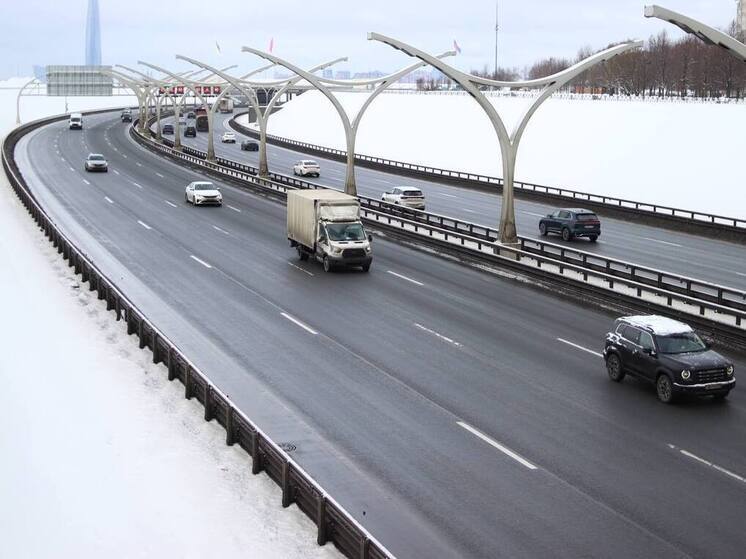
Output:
x=454 y=413
x=681 y=253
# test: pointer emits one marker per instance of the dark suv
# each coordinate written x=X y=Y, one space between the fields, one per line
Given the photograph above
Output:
x=168 y=129
x=570 y=223
x=190 y=131
x=249 y=145
x=669 y=354
x=126 y=115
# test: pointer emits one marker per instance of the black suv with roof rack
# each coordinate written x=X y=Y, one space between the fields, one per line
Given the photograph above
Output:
x=571 y=223
x=669 y=354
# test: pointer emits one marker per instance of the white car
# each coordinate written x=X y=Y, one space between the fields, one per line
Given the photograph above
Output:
x=408 y=196
x=96 y=162
x=228 y=138
x=201 y=193
x=306 y=168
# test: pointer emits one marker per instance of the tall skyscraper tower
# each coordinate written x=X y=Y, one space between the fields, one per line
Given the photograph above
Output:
x=92 y=35
x=741 y=18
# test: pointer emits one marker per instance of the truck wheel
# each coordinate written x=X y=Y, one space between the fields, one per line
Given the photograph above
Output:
x=614 y=368
x=543 y=229
x=302 y=255
x=327 y=264
x=566 y=235
x=366 y=267
x=593 y=238
x=664 y=389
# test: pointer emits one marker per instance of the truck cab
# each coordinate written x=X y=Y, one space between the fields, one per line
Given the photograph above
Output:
x=325 y=224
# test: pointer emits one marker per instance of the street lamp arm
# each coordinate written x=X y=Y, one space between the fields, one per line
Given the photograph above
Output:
x=572 y=71
x=708 y=34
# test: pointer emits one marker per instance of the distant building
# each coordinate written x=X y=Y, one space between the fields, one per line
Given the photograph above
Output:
x=342 y=75
x=368 y=75
x=92 y=35
x=327 y=73
x=741 y=18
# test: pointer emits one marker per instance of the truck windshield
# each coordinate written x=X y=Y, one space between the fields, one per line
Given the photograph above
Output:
x=686 y=342
x=345 y=231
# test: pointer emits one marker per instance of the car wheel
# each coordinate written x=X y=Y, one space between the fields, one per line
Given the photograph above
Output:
x=566 y=235
x=543 y=229
x=366 y=267
x=664 y=388
x=614 y=368
x=593 y=238
x=186 y=198
x=327 y=264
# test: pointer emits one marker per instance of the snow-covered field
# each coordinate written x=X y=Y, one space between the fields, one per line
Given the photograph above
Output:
x=101 y=455
x=685 y=155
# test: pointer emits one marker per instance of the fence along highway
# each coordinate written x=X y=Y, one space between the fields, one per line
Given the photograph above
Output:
x=418 y=394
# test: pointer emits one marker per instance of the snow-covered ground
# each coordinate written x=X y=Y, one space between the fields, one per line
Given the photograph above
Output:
x=685 y=155
x=101 y=455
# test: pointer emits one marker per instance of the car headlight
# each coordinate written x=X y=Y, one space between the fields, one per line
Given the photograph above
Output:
x=730 y=370
x=367 y=249
x=336 y=250
x=686 y=375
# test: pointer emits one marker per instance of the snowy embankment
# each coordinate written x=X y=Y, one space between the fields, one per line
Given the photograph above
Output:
x=101 y=455
x=685 y=155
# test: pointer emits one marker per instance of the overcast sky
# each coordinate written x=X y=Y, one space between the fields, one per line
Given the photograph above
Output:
x=310 y=31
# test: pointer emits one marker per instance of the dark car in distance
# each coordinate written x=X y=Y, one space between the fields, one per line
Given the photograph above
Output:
x=168 y=129
x=126 y=115
x=571 y=223
x=190 y=131
x=191 y=115
x=249 y=145
x=669 y=354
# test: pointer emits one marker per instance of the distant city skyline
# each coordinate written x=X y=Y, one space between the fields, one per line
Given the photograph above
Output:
x=529 y=30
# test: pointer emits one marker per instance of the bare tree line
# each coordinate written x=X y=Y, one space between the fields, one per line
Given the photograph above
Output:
x=685 y=67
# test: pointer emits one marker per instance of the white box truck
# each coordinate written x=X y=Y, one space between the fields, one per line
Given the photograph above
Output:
x=76 y=121
x=325 y=224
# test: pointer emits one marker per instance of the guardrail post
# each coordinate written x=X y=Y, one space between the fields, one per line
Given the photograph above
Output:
x=321 y=520
x=364 y=548
x=141 y=333
x=156 y=352
x=170 y=364
x=256 y=459
x=229 y=436
x=208 y=402
x=286 y=496
x=188 y=383
x=117 y=307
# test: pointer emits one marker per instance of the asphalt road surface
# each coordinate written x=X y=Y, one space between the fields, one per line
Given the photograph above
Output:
x=453 y=412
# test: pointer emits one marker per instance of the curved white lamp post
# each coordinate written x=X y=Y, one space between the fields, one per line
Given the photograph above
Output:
x=350 y=127
x=18 y=99
x=708 y=34
x=509 y=142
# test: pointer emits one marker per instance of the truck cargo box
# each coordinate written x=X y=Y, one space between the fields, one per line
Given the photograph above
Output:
x=307 y=207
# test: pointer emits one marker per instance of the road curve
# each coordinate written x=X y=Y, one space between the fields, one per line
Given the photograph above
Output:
x=454 y=413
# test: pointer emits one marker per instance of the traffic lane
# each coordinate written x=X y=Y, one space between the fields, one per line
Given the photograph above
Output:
x=509 y=483
x=173 y=276
x=681 y=253
x=724 y=427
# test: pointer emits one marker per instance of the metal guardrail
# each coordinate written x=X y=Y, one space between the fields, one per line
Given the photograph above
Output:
x=730 y=227
x=690 y=287
x=729 y=322
x=334 y=523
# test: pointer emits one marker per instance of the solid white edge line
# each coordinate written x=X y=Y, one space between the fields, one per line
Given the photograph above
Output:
x=580 y=347
x=205 y=264
x=148 y=227
x=108 y=199
x=299 y=323
x=405 y=278
x=171 y=204
x=504 y=449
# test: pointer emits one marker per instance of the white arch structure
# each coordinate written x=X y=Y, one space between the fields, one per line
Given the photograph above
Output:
x=18 y=99
x=350 y=127
x=708 y=34
x=509 y=142
x=250 y=92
